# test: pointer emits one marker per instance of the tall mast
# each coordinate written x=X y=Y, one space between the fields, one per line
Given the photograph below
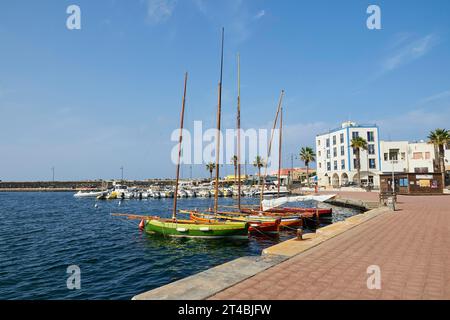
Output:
x=219 y=110
x=279 y=150
x=239 y=131
x=270 y=149
x=175 y=198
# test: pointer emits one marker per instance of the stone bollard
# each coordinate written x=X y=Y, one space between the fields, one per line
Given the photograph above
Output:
x=300 y=234
x=391 y=203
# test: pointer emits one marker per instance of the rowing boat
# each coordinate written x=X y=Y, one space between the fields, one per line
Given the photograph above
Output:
x=194 y=229
x=256 y=224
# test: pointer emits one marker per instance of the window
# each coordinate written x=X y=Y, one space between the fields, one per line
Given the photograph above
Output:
x=342 y=164
x=328 y=143
x=393 y=154
x=334 y=152
x=371 y=149
x=342 y=151
x=334 y=140
x=370 y=136
x=386 y=156
x=403 y=156
x=403 y=182
x=355 y=135
x=421 y=170
x=335 y=165
x=320 y=165
x=320 y=153
x=417 y=155
x=329 y=166
x=342 y=138
x=318 y=142
x=372 y=164
x=427 y=155
x=328 y=154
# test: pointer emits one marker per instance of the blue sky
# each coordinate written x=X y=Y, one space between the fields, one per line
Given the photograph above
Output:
x=89 y=101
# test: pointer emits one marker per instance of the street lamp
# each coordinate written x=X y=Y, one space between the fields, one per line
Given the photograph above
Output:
x=393 y=161
x=121 y=168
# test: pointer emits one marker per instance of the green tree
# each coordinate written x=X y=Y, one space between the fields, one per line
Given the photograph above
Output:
x=259 y=163
x=307 y=155
x=358 y=144
x=210 y=167
x=439 y=138
x=234 y=159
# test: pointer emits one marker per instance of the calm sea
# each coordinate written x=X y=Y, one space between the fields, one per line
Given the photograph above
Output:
x=42 y=234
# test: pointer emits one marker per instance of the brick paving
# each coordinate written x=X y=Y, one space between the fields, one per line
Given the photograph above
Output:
x=411 y=247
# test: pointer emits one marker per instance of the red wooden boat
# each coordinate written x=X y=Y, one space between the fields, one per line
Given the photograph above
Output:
x=255 y=225
x=307 y=212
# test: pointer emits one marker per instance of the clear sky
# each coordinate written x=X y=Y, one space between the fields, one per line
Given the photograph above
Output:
x=89 y=101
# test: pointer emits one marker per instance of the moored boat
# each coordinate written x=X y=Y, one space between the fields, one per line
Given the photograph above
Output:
x=87 y=194
x=256 y=224
x=194 y=229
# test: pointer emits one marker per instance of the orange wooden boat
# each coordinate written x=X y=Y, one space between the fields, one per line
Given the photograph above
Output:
x=282 y=212
x=255 y=225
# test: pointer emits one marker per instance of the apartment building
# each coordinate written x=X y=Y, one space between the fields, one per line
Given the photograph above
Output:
x=336 y=160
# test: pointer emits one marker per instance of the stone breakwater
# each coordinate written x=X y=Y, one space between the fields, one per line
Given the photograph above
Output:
x=7 y=186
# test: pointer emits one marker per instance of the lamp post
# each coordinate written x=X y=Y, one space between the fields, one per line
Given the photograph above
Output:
x=121 y=169
x=393 y=161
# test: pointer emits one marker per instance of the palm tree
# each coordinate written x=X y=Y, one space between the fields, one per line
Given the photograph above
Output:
x=234 y=159
x=259 y=163
x=307 y=155
x=440 y=137
x=210 y=167
x=357 y=144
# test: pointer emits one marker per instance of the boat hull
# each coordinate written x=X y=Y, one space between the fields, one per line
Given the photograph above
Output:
x=192 y=229
x=256 y=224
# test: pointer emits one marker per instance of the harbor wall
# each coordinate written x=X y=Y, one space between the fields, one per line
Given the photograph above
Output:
x=75 y=185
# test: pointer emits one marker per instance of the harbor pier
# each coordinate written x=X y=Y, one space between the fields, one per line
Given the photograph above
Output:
x=408 y=246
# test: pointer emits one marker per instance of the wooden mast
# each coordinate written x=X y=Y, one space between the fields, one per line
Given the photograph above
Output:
x=175 y=197
x=239 y=131
x=279 y=150
x=269 y=149
x=219 y=110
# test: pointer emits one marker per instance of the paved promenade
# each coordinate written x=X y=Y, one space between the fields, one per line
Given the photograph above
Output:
x=411 y=246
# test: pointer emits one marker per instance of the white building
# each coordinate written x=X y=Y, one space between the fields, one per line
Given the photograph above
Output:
x=336 y=161
x=447 y=158
x=404 y=156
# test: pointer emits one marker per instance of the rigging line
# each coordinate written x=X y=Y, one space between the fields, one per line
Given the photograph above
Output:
x=270 y=148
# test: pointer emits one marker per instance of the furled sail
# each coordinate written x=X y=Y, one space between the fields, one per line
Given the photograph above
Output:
x=273 y=203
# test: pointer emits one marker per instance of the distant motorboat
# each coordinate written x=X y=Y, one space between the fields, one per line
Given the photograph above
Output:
x=273 y=191
x=85 y=194
x=190 y=193
x=204 y=193
x=227 y=193
x=182 y=194
x=156 y=194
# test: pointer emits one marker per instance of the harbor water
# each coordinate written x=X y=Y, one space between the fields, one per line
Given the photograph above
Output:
x=42 y=234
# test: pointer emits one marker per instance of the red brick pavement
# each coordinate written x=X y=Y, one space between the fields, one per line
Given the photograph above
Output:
x=411 y=247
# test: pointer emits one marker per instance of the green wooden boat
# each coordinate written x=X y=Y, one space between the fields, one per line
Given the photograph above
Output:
x=192 y=229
